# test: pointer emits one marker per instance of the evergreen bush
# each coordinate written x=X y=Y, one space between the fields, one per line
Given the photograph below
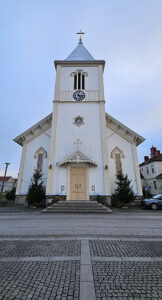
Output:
x=11 y=194
x=123 y=193
x=36 y=192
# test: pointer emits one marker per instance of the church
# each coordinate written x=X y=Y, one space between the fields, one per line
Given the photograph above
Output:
x=79 y=148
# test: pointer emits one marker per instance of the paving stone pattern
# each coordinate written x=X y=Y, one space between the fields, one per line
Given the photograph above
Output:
x=39 y=236
x=127 y=280
x=52 y=280
x=80 y=257
x=39 y=248
x=126 y=248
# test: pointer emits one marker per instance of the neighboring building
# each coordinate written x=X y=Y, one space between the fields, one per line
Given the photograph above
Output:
x=79 y=148
x=9 y=183
x=151 y=172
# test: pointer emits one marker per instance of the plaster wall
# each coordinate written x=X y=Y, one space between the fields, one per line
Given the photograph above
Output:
x=30 y=163
x=150 y=174
x=114 y=140
x=159 y=166
x=89 y=134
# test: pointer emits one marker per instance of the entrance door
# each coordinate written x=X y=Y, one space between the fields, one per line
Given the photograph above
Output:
x=77 y=183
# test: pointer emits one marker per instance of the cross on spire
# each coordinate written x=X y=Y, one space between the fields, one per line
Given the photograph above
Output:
x=80 y=32
x=78 y=143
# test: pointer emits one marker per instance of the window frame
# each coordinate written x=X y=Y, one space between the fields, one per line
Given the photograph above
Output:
x=114 y=153
x=40 y=151
x=79 y=79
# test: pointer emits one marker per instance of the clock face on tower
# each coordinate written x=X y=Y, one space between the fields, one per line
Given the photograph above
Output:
x=79 y=95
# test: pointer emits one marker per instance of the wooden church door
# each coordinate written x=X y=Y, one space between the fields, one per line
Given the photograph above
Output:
x=77 y=183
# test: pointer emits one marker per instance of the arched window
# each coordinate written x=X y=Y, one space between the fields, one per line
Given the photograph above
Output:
x=40 y=162
x=118 y=163
x=40 y=154
x=79 y=79
x=117 y=155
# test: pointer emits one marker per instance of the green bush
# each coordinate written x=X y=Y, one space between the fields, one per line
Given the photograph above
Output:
x=123 y=193
x=36 y=192
x=11 y=195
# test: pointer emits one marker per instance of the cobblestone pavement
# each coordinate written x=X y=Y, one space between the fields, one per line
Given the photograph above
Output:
x=39 y=248
x=43 y=280
x=126 y=248
x=127 y=280
x=81 y=257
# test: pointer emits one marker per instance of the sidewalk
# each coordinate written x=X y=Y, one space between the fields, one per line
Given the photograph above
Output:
x=115 y=256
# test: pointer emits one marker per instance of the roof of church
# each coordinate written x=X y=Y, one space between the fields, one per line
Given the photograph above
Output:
x=128 y=134
x=121 y=129
x=80 y=53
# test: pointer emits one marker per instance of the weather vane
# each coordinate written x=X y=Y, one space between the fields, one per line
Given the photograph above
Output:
x=80 y=32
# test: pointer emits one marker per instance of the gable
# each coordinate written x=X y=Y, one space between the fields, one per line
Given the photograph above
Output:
x=122 y=130
x=111 y=123
x=34 y=131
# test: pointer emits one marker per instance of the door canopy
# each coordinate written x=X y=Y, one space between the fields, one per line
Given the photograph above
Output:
x=77 y=157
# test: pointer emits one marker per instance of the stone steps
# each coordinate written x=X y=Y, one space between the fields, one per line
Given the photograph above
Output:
x=77 y=207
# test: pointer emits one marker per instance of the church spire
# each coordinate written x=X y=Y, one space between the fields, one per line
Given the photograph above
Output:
x=80 y=53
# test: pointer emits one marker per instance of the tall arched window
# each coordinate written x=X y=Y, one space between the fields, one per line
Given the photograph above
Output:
x=40 y=162
x=117 y=155
x=118 y=163
x=40 y=154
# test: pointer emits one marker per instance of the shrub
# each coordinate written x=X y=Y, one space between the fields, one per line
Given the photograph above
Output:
x=123 y=193
x=36 y=191
x=11 y=194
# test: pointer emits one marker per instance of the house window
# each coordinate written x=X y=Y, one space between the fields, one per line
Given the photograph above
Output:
x=118 y=163
x=79 y=79
x=147 y=170
x=153 y=171
x=155 y=185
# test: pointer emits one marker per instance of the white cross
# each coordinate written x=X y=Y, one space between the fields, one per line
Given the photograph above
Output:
x=78 y=143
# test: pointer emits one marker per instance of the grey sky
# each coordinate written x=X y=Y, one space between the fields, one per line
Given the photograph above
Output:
x=127 y=34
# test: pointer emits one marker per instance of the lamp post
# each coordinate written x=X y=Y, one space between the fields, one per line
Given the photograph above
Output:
x=7 y=164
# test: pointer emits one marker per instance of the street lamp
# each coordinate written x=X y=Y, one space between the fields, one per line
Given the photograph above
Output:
x=7 y=164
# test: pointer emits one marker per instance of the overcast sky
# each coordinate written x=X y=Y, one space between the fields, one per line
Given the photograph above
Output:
x=126 y=34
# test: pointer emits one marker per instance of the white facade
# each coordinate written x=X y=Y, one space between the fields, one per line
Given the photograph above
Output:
x=113 y=140
x=151 y=174
x=30 y=161
x=94 y=144
x=68 y=133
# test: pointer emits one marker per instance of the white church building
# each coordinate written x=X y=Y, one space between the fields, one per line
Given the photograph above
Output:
x=79 y=147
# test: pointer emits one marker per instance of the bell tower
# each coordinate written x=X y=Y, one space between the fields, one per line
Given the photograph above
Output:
x=78 y=114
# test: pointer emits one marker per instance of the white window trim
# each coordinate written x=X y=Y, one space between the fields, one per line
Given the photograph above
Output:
x=41 y=150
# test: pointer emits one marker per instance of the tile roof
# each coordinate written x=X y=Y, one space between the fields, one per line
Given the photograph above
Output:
x=2 y=178
x=159 y=176
x=159 y=158
x=80 y=53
